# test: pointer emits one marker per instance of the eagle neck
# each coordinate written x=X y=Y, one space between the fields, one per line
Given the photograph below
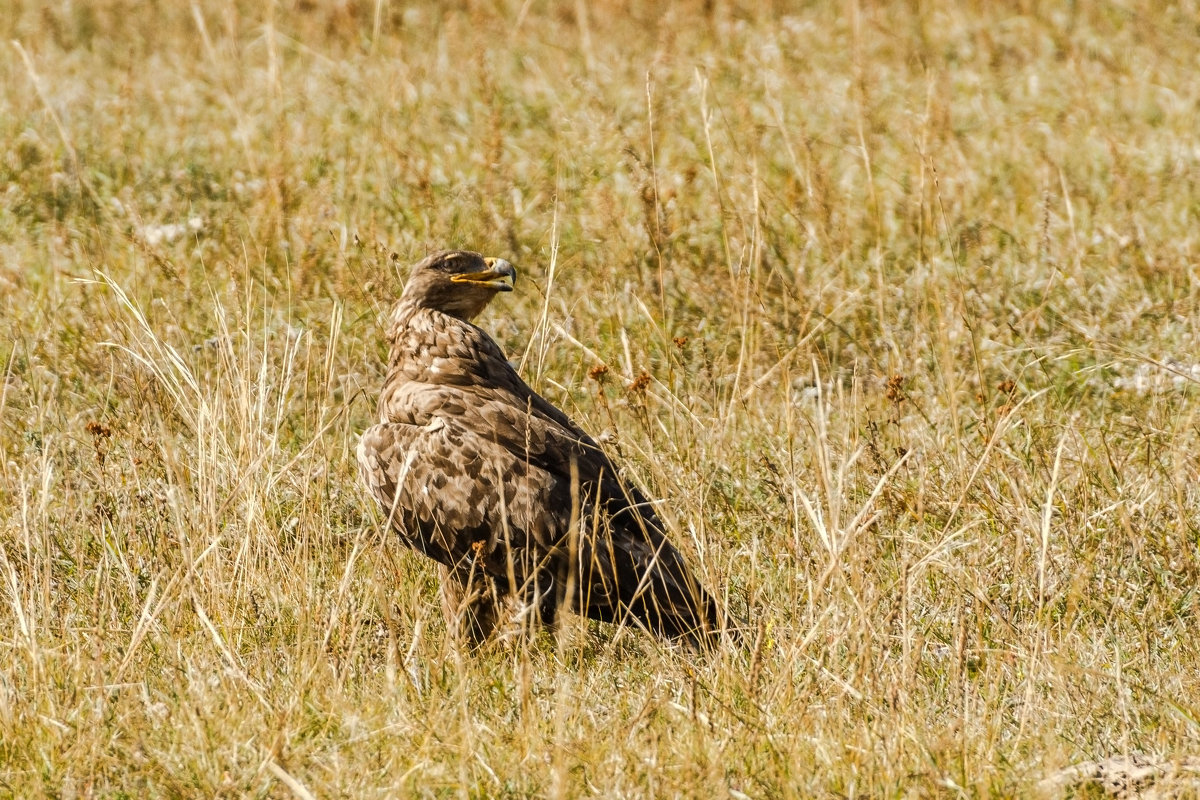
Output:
x=417 y=333
x=407 y=314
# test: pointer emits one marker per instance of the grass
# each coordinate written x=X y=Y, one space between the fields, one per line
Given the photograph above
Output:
x=896 y=306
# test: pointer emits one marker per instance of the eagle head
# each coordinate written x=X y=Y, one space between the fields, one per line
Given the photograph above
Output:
x=458 y=282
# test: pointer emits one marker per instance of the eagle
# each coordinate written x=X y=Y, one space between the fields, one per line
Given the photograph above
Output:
x=524 y=513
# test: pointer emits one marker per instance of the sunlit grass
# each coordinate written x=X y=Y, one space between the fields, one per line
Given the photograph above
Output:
x=894 y=308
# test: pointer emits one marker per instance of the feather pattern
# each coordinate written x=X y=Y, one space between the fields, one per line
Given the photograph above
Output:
x=517 y=504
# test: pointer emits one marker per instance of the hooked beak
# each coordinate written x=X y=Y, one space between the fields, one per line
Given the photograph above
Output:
x=500 y=275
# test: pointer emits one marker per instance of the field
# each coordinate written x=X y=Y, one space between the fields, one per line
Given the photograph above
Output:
x=894 y=306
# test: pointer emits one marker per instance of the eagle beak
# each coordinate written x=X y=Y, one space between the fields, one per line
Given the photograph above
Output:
x=500 y=275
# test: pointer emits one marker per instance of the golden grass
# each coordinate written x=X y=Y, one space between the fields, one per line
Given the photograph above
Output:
x=898 y=305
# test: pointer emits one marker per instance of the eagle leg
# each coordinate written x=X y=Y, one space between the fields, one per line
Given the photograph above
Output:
x=470 y=601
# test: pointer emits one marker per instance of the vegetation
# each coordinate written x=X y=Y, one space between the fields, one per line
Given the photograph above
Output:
x=894 y=305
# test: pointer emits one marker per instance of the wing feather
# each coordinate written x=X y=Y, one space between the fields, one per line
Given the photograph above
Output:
x=455 y=495
x=475 y=469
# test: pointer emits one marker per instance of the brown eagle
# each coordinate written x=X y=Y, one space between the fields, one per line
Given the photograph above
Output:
x=523 y=511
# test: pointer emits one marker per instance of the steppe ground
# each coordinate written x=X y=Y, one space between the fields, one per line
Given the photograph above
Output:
x=894 y=305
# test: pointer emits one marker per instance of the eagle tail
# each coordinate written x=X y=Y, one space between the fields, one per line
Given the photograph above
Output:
x=640 y=575
x=676 y=607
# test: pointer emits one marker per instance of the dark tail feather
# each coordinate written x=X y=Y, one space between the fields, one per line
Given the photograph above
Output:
x=699 y=620
x=648 y=580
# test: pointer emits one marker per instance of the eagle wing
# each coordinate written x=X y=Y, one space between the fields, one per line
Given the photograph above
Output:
x=485 y=476
x=454 y=495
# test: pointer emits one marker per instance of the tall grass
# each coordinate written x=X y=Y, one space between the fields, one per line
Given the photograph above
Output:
x=893 y=305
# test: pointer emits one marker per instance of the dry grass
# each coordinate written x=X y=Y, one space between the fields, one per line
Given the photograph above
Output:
x=913 y=289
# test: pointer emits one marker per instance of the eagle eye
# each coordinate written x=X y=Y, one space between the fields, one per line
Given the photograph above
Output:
x=452 y=264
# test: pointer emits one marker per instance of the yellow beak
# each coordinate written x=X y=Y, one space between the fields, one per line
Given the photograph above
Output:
x=500 y=275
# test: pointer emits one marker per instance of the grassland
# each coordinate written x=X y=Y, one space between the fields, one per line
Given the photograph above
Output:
x=899 y=310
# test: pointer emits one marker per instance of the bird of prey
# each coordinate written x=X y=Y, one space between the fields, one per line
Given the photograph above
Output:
x=522 y=510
